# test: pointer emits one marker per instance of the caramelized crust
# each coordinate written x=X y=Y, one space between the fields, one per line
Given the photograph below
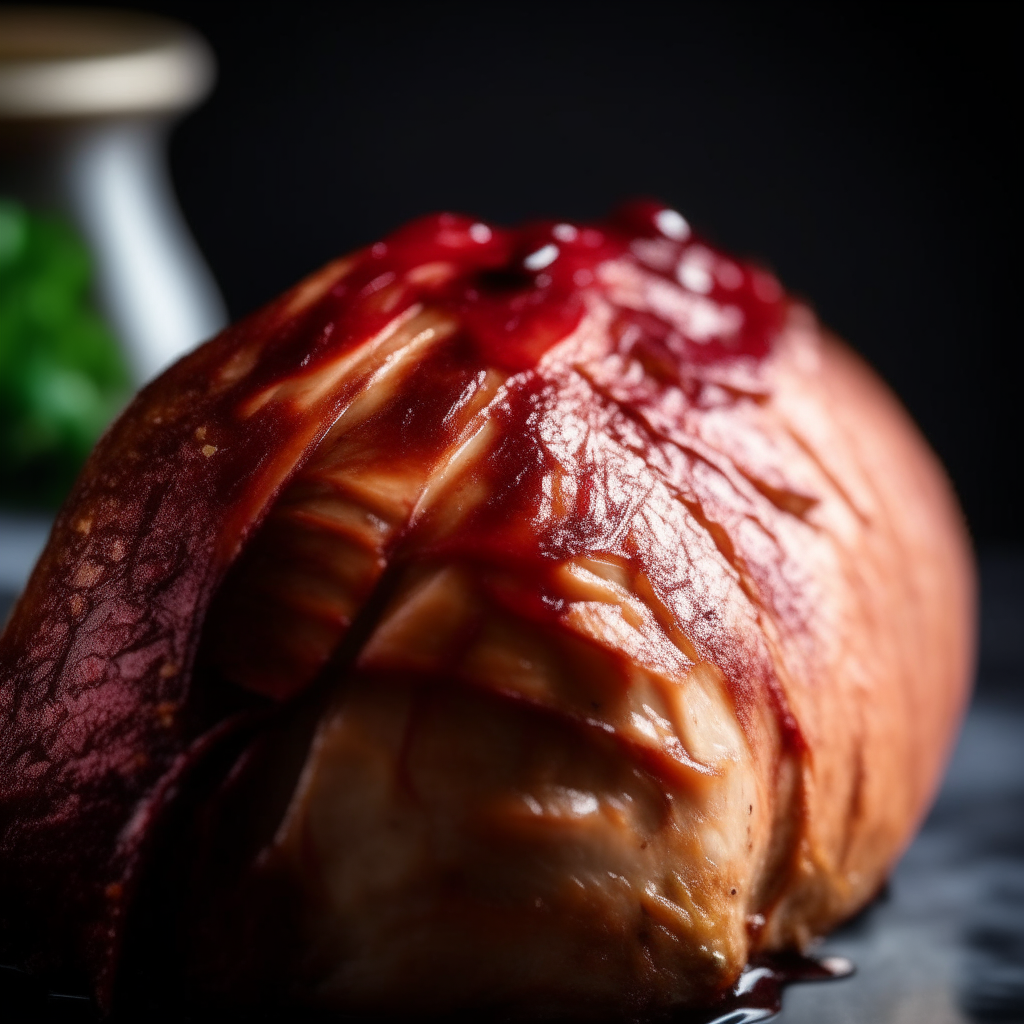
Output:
x=604 y=623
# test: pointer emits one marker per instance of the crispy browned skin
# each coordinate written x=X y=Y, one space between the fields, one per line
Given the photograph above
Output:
x=590 y=660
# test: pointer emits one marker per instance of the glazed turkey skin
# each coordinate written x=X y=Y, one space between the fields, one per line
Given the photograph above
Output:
x=545 y=620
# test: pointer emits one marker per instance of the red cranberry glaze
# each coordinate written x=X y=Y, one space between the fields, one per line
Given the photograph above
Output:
x=522 y=290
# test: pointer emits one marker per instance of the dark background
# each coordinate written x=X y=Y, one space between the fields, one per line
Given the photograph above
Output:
x=869 y=158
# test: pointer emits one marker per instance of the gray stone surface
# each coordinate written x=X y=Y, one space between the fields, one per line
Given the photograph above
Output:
x=21 y=539
x=946 y=943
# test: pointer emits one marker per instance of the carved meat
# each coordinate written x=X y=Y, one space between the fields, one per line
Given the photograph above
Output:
x=541 y=620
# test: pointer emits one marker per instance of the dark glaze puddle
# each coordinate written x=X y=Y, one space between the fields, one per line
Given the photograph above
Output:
x=757 y=996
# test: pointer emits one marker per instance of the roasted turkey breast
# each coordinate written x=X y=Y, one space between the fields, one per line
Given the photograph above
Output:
x=542 y=619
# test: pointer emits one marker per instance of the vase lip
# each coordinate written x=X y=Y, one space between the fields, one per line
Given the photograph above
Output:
x=67 y=63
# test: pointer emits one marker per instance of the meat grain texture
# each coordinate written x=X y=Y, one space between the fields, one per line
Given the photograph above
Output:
x=545 y=620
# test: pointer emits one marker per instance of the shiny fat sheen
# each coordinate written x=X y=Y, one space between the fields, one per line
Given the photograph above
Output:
x=544 y=620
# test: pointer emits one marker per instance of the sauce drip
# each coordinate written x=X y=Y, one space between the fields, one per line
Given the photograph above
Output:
x=757 y=995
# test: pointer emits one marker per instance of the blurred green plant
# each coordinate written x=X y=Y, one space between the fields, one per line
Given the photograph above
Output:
x=62 y=375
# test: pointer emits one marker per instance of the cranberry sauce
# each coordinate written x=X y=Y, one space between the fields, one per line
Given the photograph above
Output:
x=519 y=291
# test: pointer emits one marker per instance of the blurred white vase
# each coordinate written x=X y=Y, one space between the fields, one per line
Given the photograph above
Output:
x=87 y=100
